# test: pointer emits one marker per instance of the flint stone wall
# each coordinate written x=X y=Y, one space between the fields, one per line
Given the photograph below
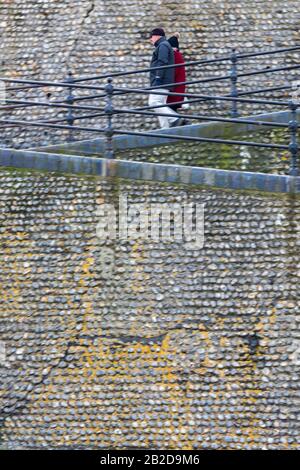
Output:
x=137 y=344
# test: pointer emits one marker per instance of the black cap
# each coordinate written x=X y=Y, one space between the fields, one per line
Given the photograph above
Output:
x=157 y=32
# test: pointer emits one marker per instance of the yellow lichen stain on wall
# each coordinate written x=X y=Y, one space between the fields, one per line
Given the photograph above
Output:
x=86 y=265
x=123 y=362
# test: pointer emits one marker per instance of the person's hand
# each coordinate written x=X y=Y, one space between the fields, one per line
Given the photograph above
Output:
x=158 y=81
x=185 y=104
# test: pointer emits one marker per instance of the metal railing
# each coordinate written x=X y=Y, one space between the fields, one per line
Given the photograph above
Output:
x=236 y=98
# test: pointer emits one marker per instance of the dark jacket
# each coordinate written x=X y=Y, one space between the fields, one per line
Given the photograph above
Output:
x=163 y=55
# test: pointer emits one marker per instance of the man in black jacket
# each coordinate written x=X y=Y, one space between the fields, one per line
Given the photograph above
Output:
x=162 y=55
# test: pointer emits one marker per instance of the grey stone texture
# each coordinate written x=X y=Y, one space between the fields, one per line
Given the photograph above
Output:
x=136 y=343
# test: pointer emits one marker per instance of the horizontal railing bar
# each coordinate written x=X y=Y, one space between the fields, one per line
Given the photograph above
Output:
x=51 y=126
x=37 y=84
x=211 y=79
x=152 y=69
x=153 y=135
x=54 y=84
x=207 y=97
x=59 y=105
x=16 y=106
x=22 y=88
x=76 y=118
x=223 y=77
x=262 y=90
x=198 y=100
x=53 y=105
x=242 y=93
x=204 y=139
x=24 y=105
x=86 y=98
x=53 y=121
x=143 y=111
x=190 y=82
x=204 y=97
x=263 y=71
x=97 y=87
x=140 y=111
x=265 y=90
x=257 y=54
x=187 y=64
x=206 y=118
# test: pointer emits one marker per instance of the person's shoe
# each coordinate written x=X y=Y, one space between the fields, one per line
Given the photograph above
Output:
x=177 y=122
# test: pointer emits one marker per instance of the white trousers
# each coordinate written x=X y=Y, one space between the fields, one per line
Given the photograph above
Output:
x=155 y=100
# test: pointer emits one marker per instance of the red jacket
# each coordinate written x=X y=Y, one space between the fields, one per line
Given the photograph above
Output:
x=179 y=77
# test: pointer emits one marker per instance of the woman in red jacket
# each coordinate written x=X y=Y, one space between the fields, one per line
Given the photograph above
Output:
x=180 y=76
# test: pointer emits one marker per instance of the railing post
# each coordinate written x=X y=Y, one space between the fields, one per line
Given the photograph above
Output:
x=109 y=111
x=233 y=78
x=70 y=101
x=293 y=147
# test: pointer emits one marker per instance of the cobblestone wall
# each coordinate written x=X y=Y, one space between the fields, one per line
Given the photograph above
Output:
x=43 y=40
x=137 y=344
